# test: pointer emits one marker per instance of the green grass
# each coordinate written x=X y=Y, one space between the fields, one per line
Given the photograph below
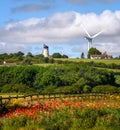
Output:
x=45 y=64
x=114 y=70
x=106 y=61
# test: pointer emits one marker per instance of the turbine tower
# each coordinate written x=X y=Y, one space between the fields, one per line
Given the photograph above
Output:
x=90 y=38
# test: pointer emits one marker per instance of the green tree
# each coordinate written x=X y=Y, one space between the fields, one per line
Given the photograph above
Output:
x=4 y=56
x=49 y=78
x=20 y=55
x=93 y=51
x=29 y=54
x=64 y=56
x=82 y=55
x=56 y=55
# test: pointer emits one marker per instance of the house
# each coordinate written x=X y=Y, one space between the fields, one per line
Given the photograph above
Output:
x=101 y=56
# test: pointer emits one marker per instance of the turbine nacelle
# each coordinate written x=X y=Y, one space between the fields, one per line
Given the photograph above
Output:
x=89 y=37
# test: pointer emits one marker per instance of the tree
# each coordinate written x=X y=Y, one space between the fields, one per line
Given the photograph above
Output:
x=56 y=55
x=93 y=51
x=64 y=56
x=82 y=55
x=4 y=56
x=29 y=54
x=20 y=53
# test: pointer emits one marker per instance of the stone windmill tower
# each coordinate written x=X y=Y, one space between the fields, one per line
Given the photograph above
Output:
x=45 y=50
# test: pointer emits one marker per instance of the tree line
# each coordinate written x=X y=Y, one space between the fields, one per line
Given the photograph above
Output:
x=21 y=59
x=29 y=58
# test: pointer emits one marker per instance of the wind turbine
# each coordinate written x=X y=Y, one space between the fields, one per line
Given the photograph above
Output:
x=90 y=38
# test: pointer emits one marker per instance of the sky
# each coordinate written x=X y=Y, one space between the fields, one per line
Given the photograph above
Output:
x=26 y=25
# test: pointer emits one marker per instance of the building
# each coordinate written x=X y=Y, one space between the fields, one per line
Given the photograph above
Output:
x=45 y=51
x=101 y=56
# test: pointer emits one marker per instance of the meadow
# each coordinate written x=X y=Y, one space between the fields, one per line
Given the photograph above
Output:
x=106 y=61
x=63 y=114
x=66 y=112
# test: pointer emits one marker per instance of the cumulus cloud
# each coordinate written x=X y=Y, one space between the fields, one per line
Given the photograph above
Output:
x=64 y=28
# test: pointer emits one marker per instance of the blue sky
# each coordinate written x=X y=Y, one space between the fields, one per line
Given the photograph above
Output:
x=25 y=25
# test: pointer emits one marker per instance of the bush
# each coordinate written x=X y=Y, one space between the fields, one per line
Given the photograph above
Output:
x=104 y=89
x=118 y=90
x=6 y=88
x=79 y=77
x=86 y=89
x=19 y=88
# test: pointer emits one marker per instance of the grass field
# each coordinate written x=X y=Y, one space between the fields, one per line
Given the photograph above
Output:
x=106 y=61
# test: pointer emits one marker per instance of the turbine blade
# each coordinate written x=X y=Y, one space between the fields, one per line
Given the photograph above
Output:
x=97 y=34
x=86 y=31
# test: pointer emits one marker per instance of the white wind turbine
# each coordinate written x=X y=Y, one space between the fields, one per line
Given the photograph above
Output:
x=90 y=38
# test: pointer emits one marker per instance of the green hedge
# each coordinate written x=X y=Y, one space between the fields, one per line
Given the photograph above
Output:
x=69 y=77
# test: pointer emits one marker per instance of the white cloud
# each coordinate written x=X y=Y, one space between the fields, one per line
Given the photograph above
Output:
x=8 y=48
x=64 y=28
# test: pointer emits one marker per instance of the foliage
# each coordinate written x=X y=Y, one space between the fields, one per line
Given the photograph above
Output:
x=72 y=77
x=27 y=61
x=86 y=89
x=104 y=89
x=93 y=51
x=58 y=55
x=82 y=55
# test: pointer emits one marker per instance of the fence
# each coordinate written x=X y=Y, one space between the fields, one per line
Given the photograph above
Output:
x=48 y=96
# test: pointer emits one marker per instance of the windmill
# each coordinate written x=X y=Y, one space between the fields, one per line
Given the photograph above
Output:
x=46 y=51
x=90 y=38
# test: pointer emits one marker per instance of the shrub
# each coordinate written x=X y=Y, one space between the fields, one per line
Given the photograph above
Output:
x=6 y=88
x=118 y=90
x=86 y=89
x=104 y=89
x=20 y=88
